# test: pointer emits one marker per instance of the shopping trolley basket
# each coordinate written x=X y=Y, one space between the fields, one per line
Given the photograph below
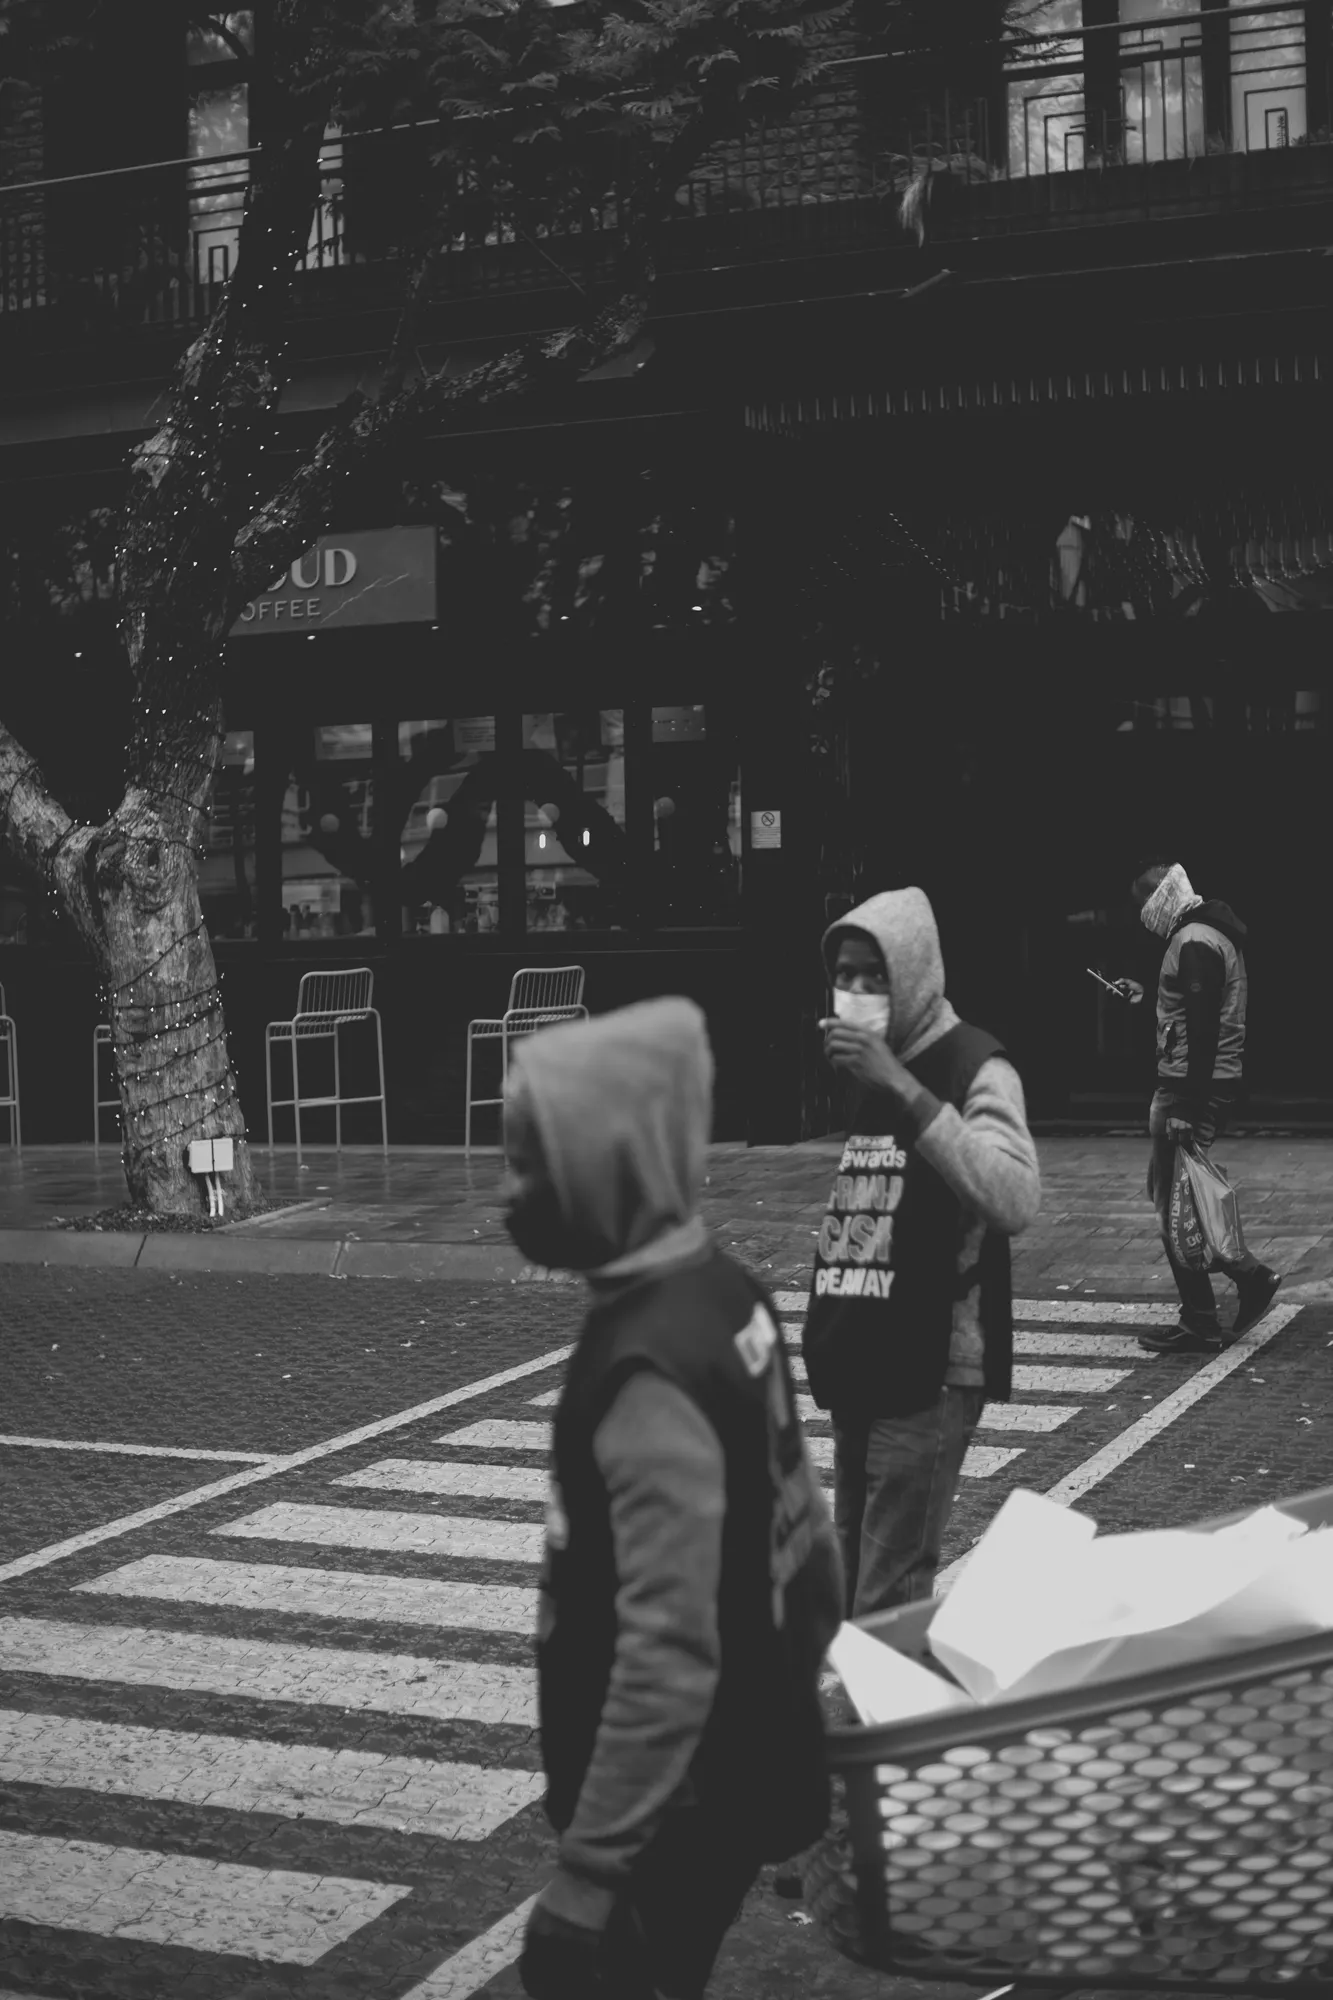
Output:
x=1170 y=1833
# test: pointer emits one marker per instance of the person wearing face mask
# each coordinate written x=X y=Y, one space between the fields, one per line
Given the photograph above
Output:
x=908 y=1329
x=1201 y=999
x=691 y=1582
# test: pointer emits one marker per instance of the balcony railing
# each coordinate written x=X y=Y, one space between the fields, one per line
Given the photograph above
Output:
x=1192 y=110
x=1186 y=110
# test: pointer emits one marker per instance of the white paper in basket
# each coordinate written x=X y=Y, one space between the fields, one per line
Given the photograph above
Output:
x=1044 y=1605
x=883 y=1685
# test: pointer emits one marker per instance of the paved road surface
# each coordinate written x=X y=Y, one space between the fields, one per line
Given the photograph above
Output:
x=266 y=1695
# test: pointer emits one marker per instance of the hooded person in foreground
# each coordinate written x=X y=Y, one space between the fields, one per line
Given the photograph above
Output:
x=691 y=1582
x=909 y=1327
x=1202 y=992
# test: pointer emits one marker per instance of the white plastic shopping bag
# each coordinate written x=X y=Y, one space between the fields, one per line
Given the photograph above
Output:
x=1041 y=1606
x=1215 y=1207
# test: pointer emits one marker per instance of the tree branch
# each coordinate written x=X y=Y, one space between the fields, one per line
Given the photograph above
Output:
x=41 y=833
x=218 y=24
x=364 y=430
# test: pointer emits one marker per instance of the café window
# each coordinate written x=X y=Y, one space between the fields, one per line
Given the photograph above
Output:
x=327 y=833
x=227 y=868
x=575 y=855
x=694 y=774
x=448 y=858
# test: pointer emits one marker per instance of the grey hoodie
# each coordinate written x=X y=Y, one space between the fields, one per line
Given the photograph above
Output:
x=621 y=1107
x=984 y=1151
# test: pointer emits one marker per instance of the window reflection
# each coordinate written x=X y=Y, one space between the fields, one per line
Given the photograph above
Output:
x=1268 y=79
x=327 y=824
x=1045 y=94
x=446 y=807
x=1281 y=713
x=575 y=854
x=1161 y=81
x=696 y=791
x=227 y=870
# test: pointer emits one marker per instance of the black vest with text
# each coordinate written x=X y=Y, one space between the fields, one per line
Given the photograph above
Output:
x=709 y=1329
x=880 y=1318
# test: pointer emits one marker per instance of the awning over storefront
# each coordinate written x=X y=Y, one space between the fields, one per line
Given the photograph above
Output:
x=1193 y=380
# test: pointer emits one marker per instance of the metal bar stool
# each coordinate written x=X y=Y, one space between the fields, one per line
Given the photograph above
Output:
x=102 y=1040
x=539 y=997
x=325 y=1003
x=9 y=1075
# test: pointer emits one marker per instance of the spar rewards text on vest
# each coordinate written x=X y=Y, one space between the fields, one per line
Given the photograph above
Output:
x=857 y=1230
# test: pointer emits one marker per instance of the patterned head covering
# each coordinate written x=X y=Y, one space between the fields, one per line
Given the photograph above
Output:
x=1172 y=899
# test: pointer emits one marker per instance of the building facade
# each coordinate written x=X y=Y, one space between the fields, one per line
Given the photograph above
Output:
x=962 y=520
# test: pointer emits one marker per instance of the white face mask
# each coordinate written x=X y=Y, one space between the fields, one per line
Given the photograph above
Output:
x=863 y=1010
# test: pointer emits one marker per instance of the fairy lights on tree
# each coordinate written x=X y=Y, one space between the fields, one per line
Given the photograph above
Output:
x=534 y=114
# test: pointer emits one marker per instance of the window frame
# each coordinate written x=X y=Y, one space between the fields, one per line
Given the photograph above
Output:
x=273 y=735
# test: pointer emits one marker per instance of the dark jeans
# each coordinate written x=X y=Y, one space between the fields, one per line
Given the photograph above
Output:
x=893 y=1488
x=1195 y=1287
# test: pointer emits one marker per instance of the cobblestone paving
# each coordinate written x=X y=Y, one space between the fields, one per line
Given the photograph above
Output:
x=282 y=1741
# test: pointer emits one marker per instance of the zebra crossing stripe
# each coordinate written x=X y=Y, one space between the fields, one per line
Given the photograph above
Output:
x=1067 y=1381
x=981 y=1460
x=323 y=1593
x=1041 y=1418
x=393 y=1530
x=415 y=1795
x=1097 y=1312
x=1032 y=1346
x=502 y=1434
x=1051 y=1312
x=1083 y=1346
x=449 y=1476
x=259 y=1670
x=994 y=1417
x=273 y=1914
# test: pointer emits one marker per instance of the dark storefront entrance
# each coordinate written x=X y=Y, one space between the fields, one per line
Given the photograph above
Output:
x=1031 y=810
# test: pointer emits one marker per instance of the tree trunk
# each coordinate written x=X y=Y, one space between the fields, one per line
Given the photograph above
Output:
x=168 y=1036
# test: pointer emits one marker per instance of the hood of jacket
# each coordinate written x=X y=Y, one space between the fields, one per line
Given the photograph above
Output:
x=902 y=924
x=1220 y=916
x=621 y=1110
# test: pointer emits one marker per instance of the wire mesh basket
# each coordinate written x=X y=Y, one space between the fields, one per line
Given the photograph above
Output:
x=1170 y=1833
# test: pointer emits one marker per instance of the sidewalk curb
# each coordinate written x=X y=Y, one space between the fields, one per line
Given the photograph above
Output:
x=162 y=1250
x=307 y=1256
x=107 y=1249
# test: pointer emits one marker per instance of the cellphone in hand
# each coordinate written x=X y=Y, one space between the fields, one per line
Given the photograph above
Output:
x=1124 y=989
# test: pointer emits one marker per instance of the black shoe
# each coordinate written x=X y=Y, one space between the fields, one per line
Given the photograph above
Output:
x=1256 y=1291
x=1195 y=1333
x=787 y=1882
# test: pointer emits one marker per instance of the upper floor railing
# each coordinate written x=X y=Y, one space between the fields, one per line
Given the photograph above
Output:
x=1180 y=109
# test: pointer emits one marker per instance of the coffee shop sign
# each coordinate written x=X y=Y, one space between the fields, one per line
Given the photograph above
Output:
x=380 y=576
